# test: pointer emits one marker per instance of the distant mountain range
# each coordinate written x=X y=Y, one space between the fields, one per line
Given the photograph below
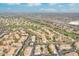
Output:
x=40 y=13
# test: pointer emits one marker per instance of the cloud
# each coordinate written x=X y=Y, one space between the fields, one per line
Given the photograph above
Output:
x=73 y=4
x=52 y=7
x=49 y=10
x=34 y=4
x=13 y=3
x=8 y=8
x=67 y=7
x=52 y=4
x=56 y=4
x=73 y=7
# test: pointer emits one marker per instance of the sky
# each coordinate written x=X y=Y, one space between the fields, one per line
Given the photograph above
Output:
x=39 y=7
